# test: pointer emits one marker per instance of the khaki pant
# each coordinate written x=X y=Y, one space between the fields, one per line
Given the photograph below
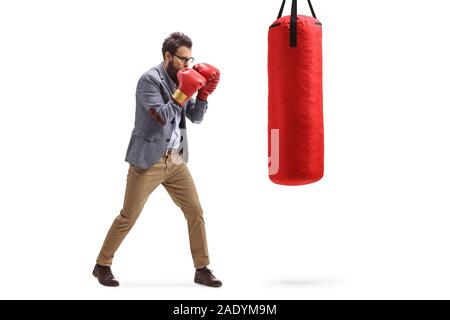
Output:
x=174 y=175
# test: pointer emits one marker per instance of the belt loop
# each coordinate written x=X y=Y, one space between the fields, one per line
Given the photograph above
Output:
x=167 y=153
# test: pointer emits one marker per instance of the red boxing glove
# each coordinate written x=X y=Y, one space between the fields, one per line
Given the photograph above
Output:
x=212 y=76
x=189 y=81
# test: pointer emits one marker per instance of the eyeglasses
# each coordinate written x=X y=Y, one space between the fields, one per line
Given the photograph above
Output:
x=186 y=61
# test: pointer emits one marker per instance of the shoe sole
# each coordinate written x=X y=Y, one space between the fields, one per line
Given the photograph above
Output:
x=113 y=285
x=208 y=285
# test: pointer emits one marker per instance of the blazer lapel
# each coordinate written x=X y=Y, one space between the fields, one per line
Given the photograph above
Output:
x=168 y=83
x=171 y=86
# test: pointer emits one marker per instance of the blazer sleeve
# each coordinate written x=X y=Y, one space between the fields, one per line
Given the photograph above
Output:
x=149 y=95
x=195 y=110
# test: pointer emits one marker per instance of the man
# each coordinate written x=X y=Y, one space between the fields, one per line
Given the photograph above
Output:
x=157 y=152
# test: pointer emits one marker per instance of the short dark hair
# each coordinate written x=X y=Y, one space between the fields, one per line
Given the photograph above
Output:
x=174 y=41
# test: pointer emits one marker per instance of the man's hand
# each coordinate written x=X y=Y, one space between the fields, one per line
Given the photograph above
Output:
x=212 y=76
x=189 y=81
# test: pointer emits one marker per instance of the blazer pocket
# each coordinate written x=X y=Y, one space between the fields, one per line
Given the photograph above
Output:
x=145 y=138
x=155 y=138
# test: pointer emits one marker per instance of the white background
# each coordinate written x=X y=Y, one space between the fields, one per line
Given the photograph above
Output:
x=376 y=226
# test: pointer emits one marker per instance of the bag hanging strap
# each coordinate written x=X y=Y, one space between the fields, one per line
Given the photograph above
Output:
x=293 y=21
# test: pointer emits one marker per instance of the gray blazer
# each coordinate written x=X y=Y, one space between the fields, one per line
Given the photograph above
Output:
x=155 y=118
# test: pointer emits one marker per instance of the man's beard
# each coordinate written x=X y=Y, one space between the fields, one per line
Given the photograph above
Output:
x=172 y=72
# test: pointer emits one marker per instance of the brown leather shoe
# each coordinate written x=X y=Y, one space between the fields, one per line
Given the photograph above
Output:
x=205 y=276
x=105 y=276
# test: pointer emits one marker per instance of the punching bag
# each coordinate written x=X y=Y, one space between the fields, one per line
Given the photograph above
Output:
x=295 y=124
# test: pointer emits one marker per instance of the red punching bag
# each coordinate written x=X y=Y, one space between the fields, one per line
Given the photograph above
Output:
x=295 y=126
